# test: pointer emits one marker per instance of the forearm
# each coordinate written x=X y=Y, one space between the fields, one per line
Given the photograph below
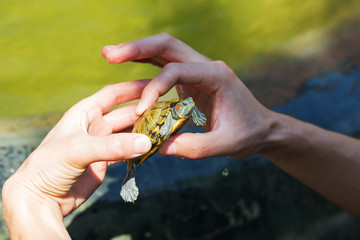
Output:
x=31 y=217
x=326 y=161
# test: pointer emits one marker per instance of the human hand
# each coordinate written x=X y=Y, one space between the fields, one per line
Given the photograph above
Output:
x=71 y=161
x=237 y=123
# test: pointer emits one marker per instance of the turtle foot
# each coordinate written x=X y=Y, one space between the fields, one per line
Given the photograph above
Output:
x=198 y=117
x=129 y=192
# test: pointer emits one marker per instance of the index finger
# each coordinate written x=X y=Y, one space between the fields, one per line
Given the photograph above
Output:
x=203 y=75
x=163 y=45
x=115 y=94
x=195 y=145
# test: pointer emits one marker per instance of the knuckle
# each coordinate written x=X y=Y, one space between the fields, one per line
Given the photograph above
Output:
x=166 y=37
x=166 y=42
x=116 y=148
x=171 y=67
x=220 y=64
x=222 y=68
x=198 y=150
x=170 y=71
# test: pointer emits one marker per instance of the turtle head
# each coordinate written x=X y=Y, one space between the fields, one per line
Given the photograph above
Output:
x=184 y=108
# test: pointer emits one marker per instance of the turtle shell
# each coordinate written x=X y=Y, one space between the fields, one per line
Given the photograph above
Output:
x=155 y=123
x=150 y=122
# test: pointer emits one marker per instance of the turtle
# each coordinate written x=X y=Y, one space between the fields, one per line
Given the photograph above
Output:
x=159 y=122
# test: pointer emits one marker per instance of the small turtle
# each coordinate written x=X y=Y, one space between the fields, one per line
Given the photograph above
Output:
x=158 y=123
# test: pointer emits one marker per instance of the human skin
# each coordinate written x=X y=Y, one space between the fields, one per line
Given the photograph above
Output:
x=238 y=125
x=71 y=162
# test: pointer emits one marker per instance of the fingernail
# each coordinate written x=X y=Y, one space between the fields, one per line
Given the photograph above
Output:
x=109 y=47
x=140 y=108
x=115 y=49
x=112 y=51
x=106 y=49
x=142 y=144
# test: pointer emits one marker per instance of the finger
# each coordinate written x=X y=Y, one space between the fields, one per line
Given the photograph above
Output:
x=163 y=45
x=116 y=147
x=156 y=61
x=107 y=48
x=121 y=118
x=114 y=94
x=194 y=145
x=114 y=121
x=207 y=75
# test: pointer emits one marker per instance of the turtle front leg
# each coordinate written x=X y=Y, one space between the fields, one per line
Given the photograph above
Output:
x=166 y=128
x=198 y=117
x=129 y=192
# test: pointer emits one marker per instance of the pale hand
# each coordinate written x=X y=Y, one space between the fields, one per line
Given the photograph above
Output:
x=237 y=123
x=71 y=162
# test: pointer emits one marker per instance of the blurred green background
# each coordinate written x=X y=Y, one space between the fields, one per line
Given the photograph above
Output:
x=50 y=50
x=50 y=58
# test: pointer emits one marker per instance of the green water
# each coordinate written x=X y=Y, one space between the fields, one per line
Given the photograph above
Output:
x=50 y=50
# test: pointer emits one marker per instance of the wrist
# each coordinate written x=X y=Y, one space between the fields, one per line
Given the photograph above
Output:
x=289 y=137
x=30 y=216
x=280 y=134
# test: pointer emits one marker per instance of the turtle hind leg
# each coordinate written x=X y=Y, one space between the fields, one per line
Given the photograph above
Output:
x=129 y=192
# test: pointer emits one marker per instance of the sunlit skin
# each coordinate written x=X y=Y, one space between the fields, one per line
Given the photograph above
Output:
x=326 y=161
x=159 y=122
x=71 y=161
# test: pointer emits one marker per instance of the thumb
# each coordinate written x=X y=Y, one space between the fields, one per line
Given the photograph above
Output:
x=193 y=145
x=115 y=147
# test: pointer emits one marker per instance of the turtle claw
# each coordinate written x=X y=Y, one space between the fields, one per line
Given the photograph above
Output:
x=198 y=117
x=129 y=192
x=165 y=130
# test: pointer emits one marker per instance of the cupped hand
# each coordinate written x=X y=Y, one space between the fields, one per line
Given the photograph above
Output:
x=237 y=123
x=71 y=161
